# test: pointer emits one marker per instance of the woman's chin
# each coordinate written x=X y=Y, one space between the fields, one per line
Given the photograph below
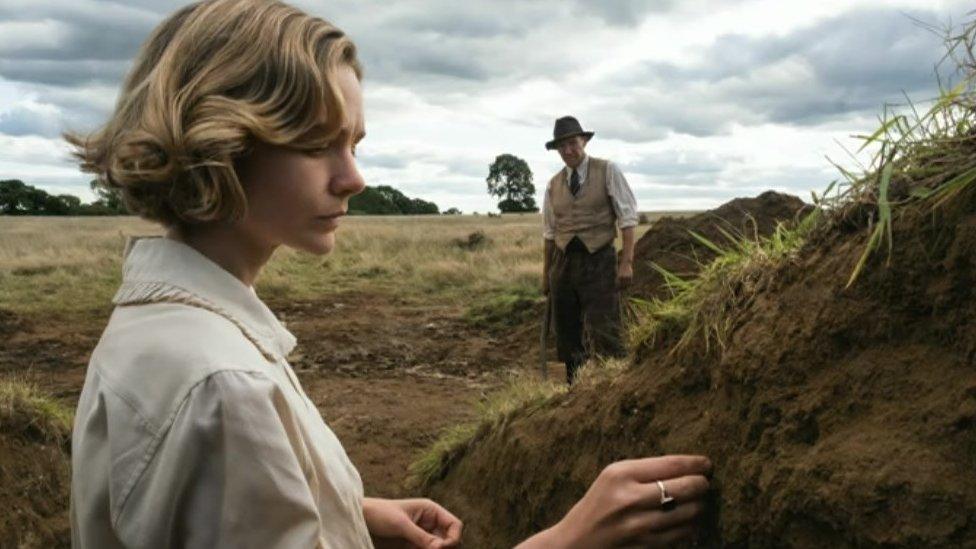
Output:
x=320 y=244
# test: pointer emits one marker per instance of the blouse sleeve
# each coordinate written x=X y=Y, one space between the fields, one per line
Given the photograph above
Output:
x=228 y=472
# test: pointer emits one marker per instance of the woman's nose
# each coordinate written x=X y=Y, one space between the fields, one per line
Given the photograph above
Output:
x=348 y=181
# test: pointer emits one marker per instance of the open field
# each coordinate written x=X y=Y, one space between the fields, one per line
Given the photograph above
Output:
x=391 y=345
x=63 y=266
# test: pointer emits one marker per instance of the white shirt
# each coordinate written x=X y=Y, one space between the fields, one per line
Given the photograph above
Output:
x=193 y=431
x=621 y=198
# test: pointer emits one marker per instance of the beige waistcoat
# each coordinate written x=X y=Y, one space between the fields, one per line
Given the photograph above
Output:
x=589 y=215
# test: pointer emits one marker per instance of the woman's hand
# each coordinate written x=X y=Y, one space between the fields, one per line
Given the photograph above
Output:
x=410 y=523
x=623 y=506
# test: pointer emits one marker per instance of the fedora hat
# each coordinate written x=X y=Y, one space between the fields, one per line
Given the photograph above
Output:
x=566 y=127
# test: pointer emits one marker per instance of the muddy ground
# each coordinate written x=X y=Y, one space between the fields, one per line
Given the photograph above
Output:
x=387 y=376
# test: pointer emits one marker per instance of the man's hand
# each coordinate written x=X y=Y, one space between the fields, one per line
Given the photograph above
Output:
x=625 y=274
x=410 y=523
x=623 y=506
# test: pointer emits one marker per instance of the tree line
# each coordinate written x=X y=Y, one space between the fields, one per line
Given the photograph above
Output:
x=385 y=200
x=19 y=198
x=509 y=178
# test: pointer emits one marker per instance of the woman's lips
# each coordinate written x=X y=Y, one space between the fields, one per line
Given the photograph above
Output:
x=330 y=221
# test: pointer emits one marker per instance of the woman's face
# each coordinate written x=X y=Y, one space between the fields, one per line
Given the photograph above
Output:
x=296 y=198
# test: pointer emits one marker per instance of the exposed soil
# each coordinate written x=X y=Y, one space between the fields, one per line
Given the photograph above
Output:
x=387 y=376
x=34 y=485
x=835 y=417
x=670 y=244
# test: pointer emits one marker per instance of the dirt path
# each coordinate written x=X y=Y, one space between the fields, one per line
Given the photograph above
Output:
x=387 y=376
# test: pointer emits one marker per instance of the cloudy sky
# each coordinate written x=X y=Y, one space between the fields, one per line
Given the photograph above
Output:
x=698 y=101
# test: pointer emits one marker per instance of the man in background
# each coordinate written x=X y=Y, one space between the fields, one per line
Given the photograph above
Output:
x=584 y=205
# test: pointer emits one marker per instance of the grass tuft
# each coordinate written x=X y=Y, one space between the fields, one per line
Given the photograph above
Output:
x=703 y=308
x=28 y=414
x=921 y=159
x=522 y=395
x=506 y=309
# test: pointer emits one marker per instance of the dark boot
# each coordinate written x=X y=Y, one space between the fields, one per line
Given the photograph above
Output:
x=572 y=368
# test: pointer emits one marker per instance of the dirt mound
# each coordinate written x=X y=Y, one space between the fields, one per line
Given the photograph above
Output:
x=835 y=417
x=35 y=474
x=669 y=242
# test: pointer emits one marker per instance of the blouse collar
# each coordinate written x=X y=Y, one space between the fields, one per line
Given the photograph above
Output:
x=162 y=270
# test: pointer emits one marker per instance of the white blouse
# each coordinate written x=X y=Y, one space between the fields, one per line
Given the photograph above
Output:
x=193 y=431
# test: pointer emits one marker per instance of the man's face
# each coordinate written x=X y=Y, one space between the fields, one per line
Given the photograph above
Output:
x=571 y=150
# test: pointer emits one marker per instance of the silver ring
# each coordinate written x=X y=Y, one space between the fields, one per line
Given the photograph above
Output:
x=667 y=501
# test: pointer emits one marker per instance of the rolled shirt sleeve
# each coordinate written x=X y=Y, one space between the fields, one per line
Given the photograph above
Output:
x=621 y=197
x=228 y=472
x=548 y=219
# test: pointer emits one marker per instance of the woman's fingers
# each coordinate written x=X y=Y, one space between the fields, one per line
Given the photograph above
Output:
x=657 y=468
x=641 y=525
x=668 y=538
x=451 y=527
x=682 y=489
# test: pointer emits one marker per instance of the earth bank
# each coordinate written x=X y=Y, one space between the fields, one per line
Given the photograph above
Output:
x=834 y=416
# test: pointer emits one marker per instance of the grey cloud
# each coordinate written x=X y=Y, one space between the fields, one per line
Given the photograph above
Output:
x=467 y=168
x=669 y=163
x=857 y=62
x=82 y=108
x=93 y=30
x=471 y=20
x=641 y=115
x=686 y=169
x=22 y=121
x=389 y=161
x=624 y=12
x=63 y=72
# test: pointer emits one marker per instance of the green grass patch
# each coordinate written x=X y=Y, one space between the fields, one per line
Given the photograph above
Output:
x=520 y=396
x=506 y=308
x=28 y=414
x=702 y=309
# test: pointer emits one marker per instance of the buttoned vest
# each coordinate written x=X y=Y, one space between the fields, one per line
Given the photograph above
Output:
x=589 y=215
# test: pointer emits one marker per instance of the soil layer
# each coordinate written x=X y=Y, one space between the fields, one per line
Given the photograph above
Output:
x=835 y=417
x=670 y=244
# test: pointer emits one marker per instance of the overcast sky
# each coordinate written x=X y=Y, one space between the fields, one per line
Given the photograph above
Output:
x=699 y=102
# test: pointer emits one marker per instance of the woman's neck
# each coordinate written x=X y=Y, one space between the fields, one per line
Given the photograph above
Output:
x=226 y=246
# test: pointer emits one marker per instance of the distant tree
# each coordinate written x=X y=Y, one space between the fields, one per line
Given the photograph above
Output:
x=452 y=211
x=13 y=194
x=372 y=202
x=385 y=200
x=18 y=198
x=108 y=199
x=510 y=179
x=422 y=207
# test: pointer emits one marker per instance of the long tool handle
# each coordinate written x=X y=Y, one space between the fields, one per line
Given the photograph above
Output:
x=544 y=344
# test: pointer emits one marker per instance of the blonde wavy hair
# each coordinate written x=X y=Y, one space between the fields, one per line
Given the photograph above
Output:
x=211 y=79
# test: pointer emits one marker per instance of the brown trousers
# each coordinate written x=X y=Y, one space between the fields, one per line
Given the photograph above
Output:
x=586 y=304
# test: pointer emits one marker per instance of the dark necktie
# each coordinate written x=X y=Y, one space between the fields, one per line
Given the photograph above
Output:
x=574 y=183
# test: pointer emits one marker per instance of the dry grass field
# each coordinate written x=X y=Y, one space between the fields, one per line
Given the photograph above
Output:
x=63 y=266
